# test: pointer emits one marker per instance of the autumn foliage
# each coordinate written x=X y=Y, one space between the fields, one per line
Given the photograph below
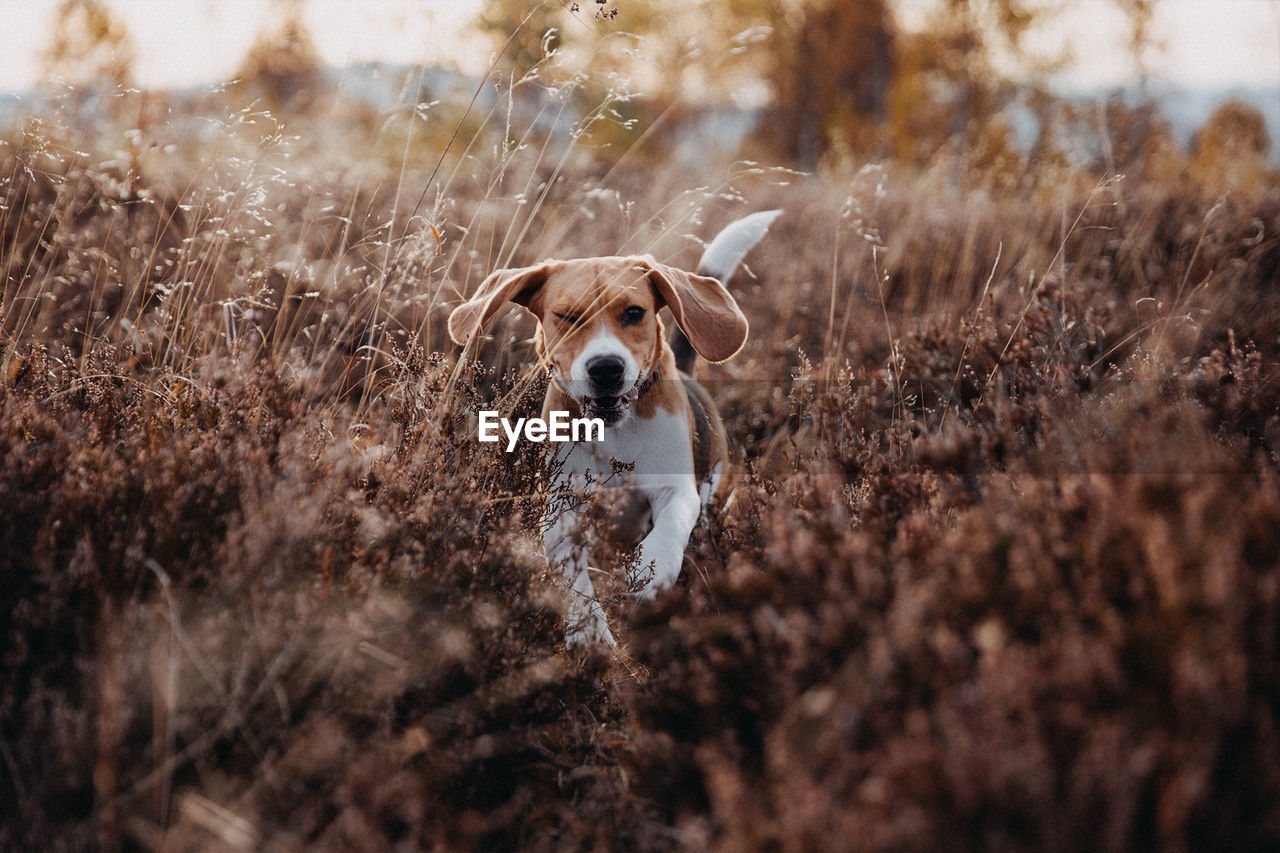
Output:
x=1001 y=570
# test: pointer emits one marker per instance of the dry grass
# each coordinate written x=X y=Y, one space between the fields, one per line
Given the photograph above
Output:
x=1001 y=572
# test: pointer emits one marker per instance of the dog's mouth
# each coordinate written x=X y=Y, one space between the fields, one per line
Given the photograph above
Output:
x=611 y=409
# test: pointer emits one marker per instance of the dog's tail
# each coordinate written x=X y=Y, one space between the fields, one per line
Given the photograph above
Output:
x=721 y=258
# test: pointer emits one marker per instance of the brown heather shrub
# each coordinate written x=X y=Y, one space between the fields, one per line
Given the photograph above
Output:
x=1000 y=572
x=218 y=595
x=1084 y=660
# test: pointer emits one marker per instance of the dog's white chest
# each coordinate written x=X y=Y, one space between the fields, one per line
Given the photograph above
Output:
x=649 y=451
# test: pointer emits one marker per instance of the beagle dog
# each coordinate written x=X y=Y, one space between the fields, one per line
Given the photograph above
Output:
x=600 y=335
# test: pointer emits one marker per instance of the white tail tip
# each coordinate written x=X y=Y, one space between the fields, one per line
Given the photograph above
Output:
x=731 y=245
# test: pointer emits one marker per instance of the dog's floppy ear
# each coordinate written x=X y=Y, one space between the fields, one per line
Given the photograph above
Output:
x=521 y=286
x=702 y=308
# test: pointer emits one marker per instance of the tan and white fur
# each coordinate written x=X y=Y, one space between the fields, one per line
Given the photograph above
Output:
x=601 y=337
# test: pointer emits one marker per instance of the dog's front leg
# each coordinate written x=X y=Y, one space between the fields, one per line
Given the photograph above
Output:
x=585 y=621
x=675 y=508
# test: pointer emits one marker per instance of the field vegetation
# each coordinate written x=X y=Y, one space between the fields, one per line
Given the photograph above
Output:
x=1001 y=570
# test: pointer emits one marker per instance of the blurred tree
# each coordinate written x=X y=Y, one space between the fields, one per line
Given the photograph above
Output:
x=90 y=46
x=875 y=77
x=1141 y=37
x=533 y=27
x=949 y=86
x=1136 y=140
x=830 y=64
x=283 y=65
x=688 y=51
x=827 y=64
x=1229 y=152
x=846 y=75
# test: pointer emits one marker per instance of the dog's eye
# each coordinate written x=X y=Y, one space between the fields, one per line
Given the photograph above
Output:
x=632 y=315
x=569 y=319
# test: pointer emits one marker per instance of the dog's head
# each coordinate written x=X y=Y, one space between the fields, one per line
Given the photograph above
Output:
x=598 y=326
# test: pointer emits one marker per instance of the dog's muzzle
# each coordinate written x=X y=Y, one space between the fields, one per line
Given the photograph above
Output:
x=612 y=408
x=606 y=379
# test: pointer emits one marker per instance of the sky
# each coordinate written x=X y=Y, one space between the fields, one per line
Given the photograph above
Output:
x=1208 y=44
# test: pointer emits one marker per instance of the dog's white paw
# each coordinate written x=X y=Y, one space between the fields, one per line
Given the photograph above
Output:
x=586 y=623
x=663 y=570
x=586 y=631
x=578 y=636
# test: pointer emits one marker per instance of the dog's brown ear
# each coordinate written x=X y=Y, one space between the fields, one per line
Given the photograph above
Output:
x=521 y=286
x=709 y=317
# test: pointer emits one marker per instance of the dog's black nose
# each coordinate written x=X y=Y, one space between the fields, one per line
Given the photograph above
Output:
x=606 y=372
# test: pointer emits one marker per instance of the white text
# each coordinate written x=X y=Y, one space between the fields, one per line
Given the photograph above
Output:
x=559 y=427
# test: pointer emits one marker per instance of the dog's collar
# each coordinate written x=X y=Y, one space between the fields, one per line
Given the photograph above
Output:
x=641 y=388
